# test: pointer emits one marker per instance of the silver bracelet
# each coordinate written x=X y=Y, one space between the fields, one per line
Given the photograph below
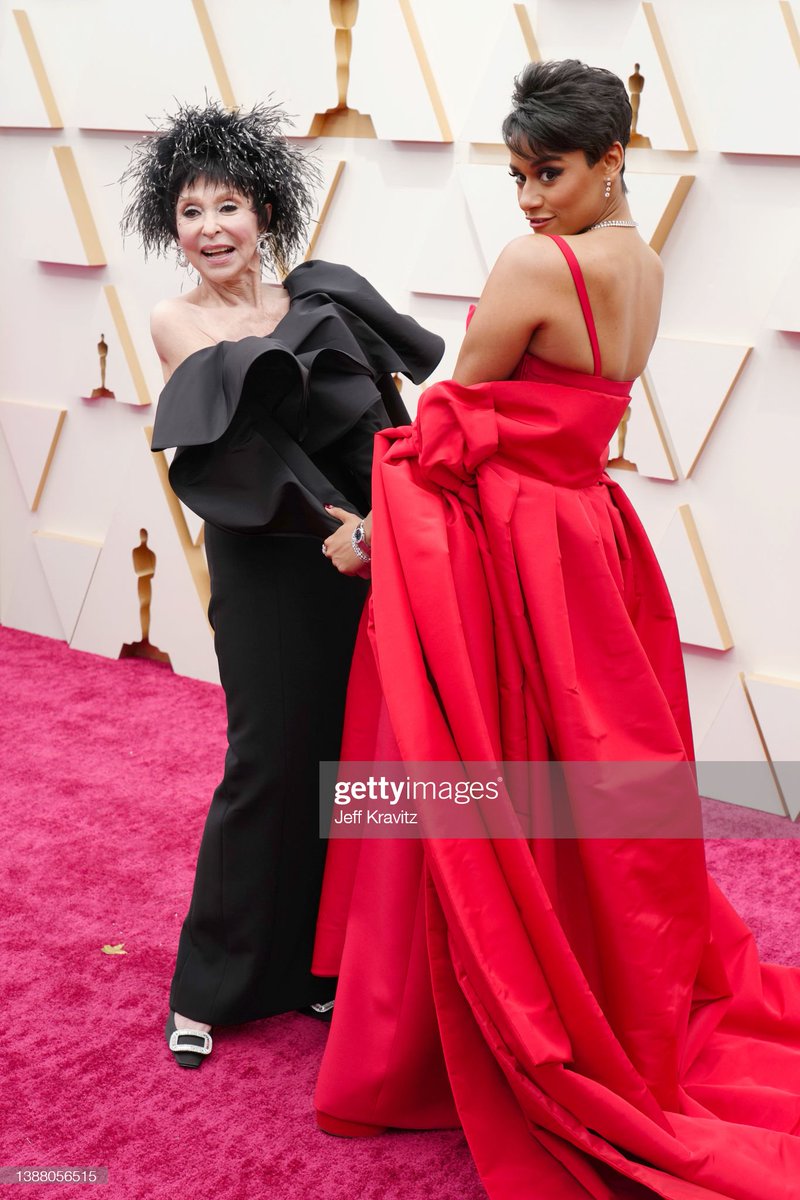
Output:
x=360 y=544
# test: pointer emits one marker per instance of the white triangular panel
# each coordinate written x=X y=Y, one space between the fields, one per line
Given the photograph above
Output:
x=785 y=311
x=693 y=381
x=21 y=103
x=645 y=444
x=133 y=372
x=733 y=739
x=777 y=707
x=261 y=65
x=386 y=79
x=332 y=170
x=492 y=203
x=68 y=564
x=110 y=614
x=508 y=54
x=138 y=70
x=655 y=201
x=58 y=239
x=135 y=362
x=450 y=262
x=32 y=431
x=758 y=45
x=659 y=118
x=701 y=621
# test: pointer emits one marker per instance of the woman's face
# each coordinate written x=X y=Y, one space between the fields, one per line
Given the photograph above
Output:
x=559 y=193
x=218 y=230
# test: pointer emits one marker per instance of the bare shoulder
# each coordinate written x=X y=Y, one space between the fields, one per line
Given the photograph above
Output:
x=528 y=257
x=175 y=332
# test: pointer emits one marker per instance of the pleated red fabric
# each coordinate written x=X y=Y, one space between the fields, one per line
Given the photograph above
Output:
x=591 y=1011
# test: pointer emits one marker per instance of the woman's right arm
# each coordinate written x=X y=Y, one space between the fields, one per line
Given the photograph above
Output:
x=175 y=335
x=513 y=304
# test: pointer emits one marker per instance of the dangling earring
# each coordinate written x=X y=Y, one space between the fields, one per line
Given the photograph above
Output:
x=607 y=192
x=182 y=260
x=263 y=247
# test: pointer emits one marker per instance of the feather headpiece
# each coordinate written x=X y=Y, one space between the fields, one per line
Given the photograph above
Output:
x=245 y=150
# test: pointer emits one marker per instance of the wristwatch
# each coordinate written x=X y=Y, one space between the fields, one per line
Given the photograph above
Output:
x=360 y=543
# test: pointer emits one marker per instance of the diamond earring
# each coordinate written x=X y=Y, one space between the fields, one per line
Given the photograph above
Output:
x=607 y=192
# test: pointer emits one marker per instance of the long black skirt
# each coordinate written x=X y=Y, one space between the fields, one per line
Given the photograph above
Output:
x=284 y=627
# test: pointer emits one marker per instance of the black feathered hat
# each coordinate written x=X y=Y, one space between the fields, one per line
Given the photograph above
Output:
x=245 y=150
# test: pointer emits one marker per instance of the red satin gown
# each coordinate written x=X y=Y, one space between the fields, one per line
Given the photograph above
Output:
x=593 y=1013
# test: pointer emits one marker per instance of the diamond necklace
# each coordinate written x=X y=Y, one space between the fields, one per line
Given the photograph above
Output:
x=607 y=224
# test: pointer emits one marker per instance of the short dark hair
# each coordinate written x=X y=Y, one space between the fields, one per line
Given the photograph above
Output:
x=244 y=150
x=564 y=106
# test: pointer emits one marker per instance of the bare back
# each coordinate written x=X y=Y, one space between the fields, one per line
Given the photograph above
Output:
x=530 y=304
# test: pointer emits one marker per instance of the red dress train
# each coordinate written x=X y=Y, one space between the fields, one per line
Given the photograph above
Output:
x=591 y=1011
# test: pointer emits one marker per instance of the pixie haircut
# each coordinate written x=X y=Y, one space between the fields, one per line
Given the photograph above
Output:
x=564 y=106
x=246 y=151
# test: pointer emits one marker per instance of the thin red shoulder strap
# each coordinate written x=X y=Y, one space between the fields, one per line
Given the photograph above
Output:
x=583 y=296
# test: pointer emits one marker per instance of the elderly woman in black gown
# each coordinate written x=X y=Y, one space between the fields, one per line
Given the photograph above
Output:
x=273 y=394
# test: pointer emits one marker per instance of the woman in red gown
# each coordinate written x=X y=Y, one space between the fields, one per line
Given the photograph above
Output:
x=590 y=1010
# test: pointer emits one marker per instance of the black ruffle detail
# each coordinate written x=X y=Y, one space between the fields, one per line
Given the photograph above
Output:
x=270 y=429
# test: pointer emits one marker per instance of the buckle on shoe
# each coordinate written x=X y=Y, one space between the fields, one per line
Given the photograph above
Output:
x=322 y=1008
x=176 y=1047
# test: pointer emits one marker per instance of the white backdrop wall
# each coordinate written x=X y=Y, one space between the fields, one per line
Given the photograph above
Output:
x=420 y=209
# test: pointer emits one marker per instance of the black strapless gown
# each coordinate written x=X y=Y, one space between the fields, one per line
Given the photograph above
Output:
x=270 y=430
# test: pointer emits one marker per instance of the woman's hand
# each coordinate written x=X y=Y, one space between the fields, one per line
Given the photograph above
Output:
x=338 y=548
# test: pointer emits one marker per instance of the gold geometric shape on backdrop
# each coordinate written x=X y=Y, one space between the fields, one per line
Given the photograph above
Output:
x=128 y=348
x=32 y=432
x=425 y=69
x=701 y=619
x=341 y=120
x=791 y=28
x=331 y=183
x=68 y=563
x=91 y=252
x=214 y=54
x=526 y=29
x=38 y=68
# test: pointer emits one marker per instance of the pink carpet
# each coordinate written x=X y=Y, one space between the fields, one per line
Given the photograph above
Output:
x=107 y=771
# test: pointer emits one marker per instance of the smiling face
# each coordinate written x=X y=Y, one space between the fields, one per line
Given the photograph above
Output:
x=218 y=230
x=560 y=193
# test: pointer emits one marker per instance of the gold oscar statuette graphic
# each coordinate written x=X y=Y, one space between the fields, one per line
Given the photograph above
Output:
x=635 y=88
x=620 y=462
x=144 y=566
x=102 y=392
x=342 y=121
